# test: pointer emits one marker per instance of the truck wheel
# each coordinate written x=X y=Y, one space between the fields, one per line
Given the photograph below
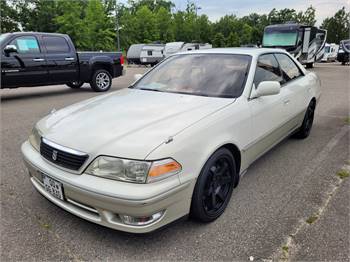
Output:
x=75 y=84
x=101 y=80
x=309 y=65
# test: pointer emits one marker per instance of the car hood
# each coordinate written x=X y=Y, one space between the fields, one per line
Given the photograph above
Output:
x=128 y=123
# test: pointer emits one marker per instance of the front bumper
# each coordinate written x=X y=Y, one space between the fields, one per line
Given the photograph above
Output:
x=102 y=200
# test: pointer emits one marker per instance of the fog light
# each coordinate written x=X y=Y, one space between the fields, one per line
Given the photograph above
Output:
x=141 y=221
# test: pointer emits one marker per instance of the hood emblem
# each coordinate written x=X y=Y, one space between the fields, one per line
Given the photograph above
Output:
x=54 y=155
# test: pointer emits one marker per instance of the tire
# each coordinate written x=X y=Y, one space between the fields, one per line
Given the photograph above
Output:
x=343 y=62
x=214 y=186
x=309 y=65
x=75 y=84
x=101 y=80
x=304 y=130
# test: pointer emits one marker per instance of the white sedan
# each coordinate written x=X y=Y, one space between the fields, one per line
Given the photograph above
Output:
x=175 y=142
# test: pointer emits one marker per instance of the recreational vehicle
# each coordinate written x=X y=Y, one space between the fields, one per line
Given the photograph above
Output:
x=134 y=53
x=330 y=53
x=344 y=52
x=306 y=43
x=174 y=47
x=152 y=54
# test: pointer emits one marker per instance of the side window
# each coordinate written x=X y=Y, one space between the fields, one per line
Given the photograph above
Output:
x=149 y=53
x=289 y=69
x=26 y=45
x=267 y=70
x=56 y=44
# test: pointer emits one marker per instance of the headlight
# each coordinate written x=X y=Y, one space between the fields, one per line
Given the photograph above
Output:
x=35 y=138
x=133 y=170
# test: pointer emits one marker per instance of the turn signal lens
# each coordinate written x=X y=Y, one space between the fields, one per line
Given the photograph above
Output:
x=163 y=169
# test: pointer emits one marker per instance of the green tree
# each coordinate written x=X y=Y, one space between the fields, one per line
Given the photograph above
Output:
x=8 y=17
x=219 y=40
x=165 y=25
x=99 y=32
x=232 y=40
x=71 y=22
x=146 y=25
x=308 y=17
x=338 y=26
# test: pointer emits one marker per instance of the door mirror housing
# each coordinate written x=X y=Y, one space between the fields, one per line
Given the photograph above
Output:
x=137 y=76
x=10 y=49
x=267 y=88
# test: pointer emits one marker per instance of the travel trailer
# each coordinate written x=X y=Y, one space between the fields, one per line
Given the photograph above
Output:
x=330 y=54
x=152 y=54
x=344 y=52
x=175 y=47
x=306 y=43
x=134 y=53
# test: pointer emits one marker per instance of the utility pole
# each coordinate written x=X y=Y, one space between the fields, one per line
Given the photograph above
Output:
x=198 y=31
x=117 y=24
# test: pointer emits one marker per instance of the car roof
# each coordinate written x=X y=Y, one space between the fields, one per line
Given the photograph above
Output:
x=36 y=33
x=252 y=51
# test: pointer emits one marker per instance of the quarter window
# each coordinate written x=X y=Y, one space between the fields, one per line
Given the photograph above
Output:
x=267 y=70
x=289 y=69
x=56 y=44
x=26 y=45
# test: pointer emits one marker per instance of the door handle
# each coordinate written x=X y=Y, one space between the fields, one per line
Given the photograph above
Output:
x=69 y=59
x=38 y=59
x=286 y=102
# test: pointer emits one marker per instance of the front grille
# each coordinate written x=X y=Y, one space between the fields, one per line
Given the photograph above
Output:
x=60 y=157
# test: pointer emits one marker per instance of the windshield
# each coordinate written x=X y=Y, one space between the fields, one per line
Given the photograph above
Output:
x=2 y=37
x=278 y=37
x=215 y=75
x=327 y=49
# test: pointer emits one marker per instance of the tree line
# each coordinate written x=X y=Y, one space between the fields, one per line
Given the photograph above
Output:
x=92 y=24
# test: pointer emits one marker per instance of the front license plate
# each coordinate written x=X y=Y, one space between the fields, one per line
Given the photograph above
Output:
x=52 y=186
x=144 y=59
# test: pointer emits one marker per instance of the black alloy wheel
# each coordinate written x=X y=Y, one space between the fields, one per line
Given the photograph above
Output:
x=305 y=129
x=214 y=186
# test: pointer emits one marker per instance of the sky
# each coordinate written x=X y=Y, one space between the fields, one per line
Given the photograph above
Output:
x=215 y=9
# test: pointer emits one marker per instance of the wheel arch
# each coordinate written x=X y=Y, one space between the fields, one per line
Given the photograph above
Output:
x=105 y=66
x=236 y=154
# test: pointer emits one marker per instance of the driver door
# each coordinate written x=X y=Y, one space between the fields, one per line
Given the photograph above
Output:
x=27 y=66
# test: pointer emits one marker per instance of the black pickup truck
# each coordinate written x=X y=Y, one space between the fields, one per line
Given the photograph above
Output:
x=35 y=59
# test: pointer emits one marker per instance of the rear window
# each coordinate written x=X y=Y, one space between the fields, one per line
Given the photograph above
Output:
x=56 y=44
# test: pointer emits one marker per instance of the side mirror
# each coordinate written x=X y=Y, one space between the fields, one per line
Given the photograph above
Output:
x=268 y=88
x=10 y=49
x=137 y=76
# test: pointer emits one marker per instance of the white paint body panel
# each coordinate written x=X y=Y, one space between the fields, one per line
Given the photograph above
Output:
x=136 y=123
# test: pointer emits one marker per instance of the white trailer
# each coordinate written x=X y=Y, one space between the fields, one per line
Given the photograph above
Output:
x=152 y=54
x=175 y=47
x=331 y=52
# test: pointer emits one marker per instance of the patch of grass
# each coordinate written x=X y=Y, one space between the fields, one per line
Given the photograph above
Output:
x=46 y=226
x=285 y=249
x=311 y=219
x=347 y=120
x=343 y=174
